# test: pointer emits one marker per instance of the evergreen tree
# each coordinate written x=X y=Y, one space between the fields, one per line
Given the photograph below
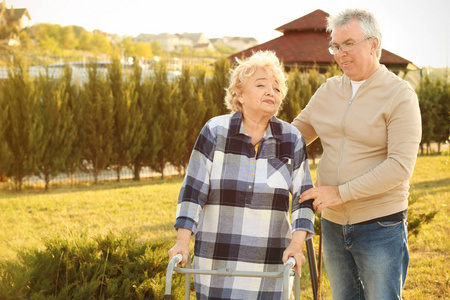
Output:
x=56 y=120
x=5 y=156
x=202 y=91
x=121 y=154
x=191 y=119
x=165 y=118
x=442 y=118
x=428 y=95
x=75 y=133
x=217 y=86
x=150 y=135
x=23 y=133
x=98 y=125
x=315 y=80
x=293 y=102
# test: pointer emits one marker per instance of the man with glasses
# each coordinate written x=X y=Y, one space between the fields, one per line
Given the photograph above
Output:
x=369 y=123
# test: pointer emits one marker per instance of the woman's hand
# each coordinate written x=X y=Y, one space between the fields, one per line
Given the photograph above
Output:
x=295 y=250
x=181 y=246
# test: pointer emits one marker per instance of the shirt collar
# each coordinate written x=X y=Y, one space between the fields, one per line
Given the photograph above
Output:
x=274 y=130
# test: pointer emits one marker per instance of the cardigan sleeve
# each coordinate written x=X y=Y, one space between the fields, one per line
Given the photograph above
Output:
x=303 y=123
x=403 y=137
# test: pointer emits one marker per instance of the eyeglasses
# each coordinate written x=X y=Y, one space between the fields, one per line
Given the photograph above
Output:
x=334 y=49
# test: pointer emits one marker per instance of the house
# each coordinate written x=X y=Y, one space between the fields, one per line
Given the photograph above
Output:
x=236 y=42
x=18 y=18
x=176 y=42
x=12 y=21
x=305 y=43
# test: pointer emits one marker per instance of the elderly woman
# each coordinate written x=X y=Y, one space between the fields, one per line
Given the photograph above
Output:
x=235 y=197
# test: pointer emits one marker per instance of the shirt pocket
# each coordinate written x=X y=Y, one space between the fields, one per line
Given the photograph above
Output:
x=279 y=173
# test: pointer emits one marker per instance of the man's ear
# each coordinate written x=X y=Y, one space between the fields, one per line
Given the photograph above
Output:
x=375 y=43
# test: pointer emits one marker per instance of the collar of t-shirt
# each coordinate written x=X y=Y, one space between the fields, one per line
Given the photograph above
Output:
x=355 y=86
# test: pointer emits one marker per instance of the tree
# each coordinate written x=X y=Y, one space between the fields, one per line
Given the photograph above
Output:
x=127 y=119
x=100 y=44
x=5 y=155
x=75 y=133
x=23 y=133
x=56 y=119
x=442 y=118
x=67 y=38
x=293 y=102
x=157 y=48
x=428 y=95
x=98 y=123
x=164 y=118
x=85 y=41
x=151 y=132
x=191 y=117
x=218 y=84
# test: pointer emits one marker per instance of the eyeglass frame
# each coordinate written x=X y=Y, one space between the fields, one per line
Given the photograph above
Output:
x=346 y=44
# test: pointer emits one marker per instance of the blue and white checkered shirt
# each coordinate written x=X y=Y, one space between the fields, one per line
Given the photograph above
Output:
x=236 y=199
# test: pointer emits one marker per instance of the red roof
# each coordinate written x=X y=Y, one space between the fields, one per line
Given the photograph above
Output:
x=305 y=42
x=317 y=20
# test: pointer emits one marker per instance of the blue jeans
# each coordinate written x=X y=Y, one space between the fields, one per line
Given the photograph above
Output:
x=367 y=261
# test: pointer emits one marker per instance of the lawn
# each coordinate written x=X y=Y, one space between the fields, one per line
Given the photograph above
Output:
x=147 y=210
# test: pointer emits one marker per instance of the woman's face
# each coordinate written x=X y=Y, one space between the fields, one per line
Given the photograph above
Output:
x=261 y=94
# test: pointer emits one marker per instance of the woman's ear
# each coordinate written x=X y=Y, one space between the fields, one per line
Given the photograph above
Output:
x=240 y=98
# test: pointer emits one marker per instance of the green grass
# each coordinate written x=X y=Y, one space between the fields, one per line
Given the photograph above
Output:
x=147 y=210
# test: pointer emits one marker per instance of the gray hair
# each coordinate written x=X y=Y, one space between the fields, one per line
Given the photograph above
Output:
x=369 y=25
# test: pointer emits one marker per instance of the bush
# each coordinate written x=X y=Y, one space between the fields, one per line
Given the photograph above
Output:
x=107 y=267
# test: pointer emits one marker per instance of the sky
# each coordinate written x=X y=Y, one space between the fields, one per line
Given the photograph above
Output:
x=417 y=30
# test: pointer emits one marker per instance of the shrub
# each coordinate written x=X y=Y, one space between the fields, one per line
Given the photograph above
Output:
x=107 y=267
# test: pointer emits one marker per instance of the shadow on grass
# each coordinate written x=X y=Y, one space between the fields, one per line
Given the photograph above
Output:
x=421 y=188
x=106 y=185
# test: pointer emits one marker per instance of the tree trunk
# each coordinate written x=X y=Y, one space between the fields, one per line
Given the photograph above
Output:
x=118 y=169
x=137 y=172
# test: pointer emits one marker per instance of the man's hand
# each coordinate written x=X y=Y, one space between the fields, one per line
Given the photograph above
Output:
x=324 y=196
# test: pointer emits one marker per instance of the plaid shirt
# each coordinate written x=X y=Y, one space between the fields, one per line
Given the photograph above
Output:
x=236 y=202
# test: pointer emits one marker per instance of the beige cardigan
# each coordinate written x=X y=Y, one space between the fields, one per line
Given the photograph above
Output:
x=370 y=144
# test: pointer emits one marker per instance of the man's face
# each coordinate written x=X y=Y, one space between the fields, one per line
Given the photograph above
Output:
x=361 y=61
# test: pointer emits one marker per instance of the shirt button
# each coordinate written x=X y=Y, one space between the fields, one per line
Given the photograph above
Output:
x=253 y=161
x=251 y=174
x=249 y=187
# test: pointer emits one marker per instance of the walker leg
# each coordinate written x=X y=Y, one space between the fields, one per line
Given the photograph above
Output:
x=312 y=266
x=296 y=286
x=187 y=281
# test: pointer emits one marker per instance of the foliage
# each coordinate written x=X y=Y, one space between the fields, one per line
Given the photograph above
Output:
x=142 y=120
x=98 y=122
x=166 y=118
x=80 y=268
x=151 y=133
x=219 y=82
x=4 y=150
x=127 y=124
x=434 y=102
x=75 y=108
x=24 y=131
x=58 y=132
